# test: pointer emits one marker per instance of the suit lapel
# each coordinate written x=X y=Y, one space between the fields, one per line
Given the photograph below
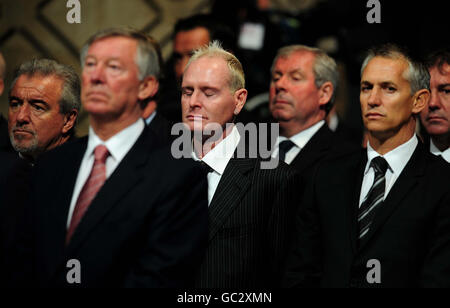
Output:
x=59 y=210
x=129 y=172
x=314 y=150
x=356 y=175
x=232 y=186
x=406 y=182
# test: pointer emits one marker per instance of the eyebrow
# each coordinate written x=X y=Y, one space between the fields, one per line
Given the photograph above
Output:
x=443 y=86
x=39 y=101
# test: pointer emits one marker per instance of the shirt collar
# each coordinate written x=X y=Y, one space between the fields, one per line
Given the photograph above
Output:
x=119 y=144
x=303 y=137
x=445 y=154
x=150 y=118
x=396 y=158
x=221 y=154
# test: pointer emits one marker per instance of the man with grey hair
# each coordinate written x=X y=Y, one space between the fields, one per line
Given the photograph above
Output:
x=4 y=139
x=302 y=92
x=44 y=102
x=116 y=201
x=249 y=207
x=378 y=217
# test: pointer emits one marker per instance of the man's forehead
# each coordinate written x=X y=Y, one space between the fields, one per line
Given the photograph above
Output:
x=114 y=46
x=295 y=61
x=386 y=68
x=37 y=86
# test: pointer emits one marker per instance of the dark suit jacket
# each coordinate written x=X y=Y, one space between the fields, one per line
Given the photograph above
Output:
x=146 y=227
x=410 y=235
x=250 y=223
x=14 y=189
x=161 y=127
x=323 y=143
x=5 y=144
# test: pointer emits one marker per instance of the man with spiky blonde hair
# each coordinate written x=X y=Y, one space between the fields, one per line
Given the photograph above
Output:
x=249 y=207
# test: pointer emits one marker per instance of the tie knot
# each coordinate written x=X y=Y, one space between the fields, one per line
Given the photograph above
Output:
x=286 y=145
x=380 y=165
x=101 y=153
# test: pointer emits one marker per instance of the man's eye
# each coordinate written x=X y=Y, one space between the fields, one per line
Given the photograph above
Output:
x=209 y=94
x=13 y=104
x=187 y=92
x=391 y=89
x=38 y=108
x=114 y=66
x=364 y=88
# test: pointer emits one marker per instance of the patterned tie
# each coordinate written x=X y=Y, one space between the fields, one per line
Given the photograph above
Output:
x=375 y=196
x=283 y=148
x=90 y=189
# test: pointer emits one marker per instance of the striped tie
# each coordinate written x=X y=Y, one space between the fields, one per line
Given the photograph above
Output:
x=375 y=196
x=284 y=147
x=90 y=189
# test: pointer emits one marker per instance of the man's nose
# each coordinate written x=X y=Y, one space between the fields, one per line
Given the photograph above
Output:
x=23 y=114
x=374 y=97
x=435 y=102
x=96 y=74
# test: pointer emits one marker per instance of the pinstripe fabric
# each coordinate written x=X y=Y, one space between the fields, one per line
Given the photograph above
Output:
x=250 y=220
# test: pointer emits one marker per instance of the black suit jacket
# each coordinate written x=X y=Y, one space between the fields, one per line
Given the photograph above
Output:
x=323 y=143
x=161 y=128
x=250 y=223
x=14 y=189
x=410 y=235
x=146 y=227
x=5 y=144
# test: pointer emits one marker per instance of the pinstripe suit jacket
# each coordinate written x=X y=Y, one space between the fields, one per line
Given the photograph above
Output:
x=249 y=226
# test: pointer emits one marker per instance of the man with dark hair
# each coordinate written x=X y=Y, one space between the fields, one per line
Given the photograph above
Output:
x=44 y=102
x=115 y=201
x=378 y=217
x=436 y=118
x=189 y=34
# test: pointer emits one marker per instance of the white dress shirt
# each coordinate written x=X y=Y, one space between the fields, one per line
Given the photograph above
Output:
x=397 y=160
x=118 y=146
x=218 y=159
x=445 y=154
x=150 y=118
x=300 y=140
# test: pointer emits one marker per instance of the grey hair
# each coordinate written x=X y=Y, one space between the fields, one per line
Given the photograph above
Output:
x=2 y=67
x=324 y=67
x=70 y=94
x=214 y=49
x=148 y=56
x=417 y=74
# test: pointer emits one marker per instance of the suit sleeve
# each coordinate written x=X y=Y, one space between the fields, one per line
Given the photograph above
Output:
x=436 y=268
x=281 y=223
x=176 y=235
x=303 y=265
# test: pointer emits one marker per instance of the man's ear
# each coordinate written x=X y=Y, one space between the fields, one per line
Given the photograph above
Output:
x=325 y=93
x=240 y=97
x=420 y=100
x=69 y=121
x=148 y=88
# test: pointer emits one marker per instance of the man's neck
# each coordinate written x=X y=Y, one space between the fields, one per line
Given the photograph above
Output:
x=106 y=128
x=385 y=142
x=204 y=144
x=292 y=128
x=442 y=142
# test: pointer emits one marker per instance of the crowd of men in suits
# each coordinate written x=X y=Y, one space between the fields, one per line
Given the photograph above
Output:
x=120 y=204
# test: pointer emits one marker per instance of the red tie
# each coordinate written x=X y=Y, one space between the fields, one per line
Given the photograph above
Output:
x=93 y=184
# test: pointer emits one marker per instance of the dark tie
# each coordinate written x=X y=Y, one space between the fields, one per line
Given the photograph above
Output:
x=206 y=167
x=283 y=148
x=90 y=189
x=374 y=197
